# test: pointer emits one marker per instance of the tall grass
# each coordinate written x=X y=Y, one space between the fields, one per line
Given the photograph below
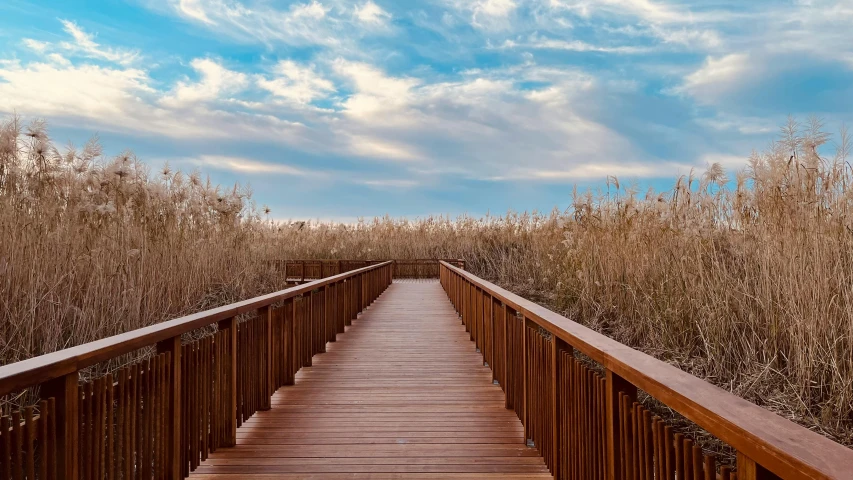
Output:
x=745 y=281
x=93 y=246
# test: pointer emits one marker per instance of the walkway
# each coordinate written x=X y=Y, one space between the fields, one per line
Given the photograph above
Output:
x=402 y=394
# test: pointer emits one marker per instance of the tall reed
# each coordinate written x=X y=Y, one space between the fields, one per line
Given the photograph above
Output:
x=92 y=247
x=745 y=281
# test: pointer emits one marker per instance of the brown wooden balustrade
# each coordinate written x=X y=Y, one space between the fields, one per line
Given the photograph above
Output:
x=589 y=425
x=298 y=271
x=163 y=416
x=429 y=268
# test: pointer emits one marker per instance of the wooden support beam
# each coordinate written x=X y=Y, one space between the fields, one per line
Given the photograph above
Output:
x=230 y=325
x=615 y=457
x=172 y=347
x=748 y=469
x=265 y=318
x=64 y=392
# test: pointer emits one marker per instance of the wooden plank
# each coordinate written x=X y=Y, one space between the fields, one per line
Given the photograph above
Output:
x=379 y=476
x=403 y=393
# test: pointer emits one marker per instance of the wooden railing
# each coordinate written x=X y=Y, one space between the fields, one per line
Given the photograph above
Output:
x=160 y=417
x=306 y=270
x=422 y=268
x=587 y=422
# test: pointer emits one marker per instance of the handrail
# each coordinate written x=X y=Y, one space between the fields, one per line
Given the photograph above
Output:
x=300 y=270
x=767 y=444
x=162 y=415
x=36 y=370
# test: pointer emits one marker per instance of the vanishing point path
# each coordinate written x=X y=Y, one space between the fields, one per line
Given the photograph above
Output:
x=402 y=394
x=398 y=390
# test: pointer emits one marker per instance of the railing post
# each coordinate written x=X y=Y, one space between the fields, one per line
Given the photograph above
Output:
x=327 y=316
x=613 y=385
x=340 y=294
x=339 y=307
x=748 y=469
x=64 y=392
x=172 y=346
x=525 y=420
x=506 y=383
x=265 y=317
x=361 y=295
x=459 y=290
x=466 y=307
x=558 y=346
x=352 y=300
x=230 y=325
x=308 y=329
x=287 y=357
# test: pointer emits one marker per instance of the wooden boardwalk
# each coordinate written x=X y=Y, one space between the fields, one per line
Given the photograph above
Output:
x=402 y=394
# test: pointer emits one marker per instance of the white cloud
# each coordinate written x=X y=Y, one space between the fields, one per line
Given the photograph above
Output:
x=375 y=93
x=372 y=80
x=85 y=45
x=742 y=125
x=194 y=9
x=495 y=8
x=314 y=10
x=304 y=23
x=296 y=83
x=307 y=23
x=59 y=59
x=820 y=28
x=484 y=14
x=36 y=45
x=475 y=124
x=584 y=171
x=215 y=82
x=719 y=77
x=727 y=161
x=372 y=14
x=366 y=146
x=486 y=121
x=58 y=90
x=689 y=37
x=646 y=10
x=540 y=43
x=391 y=183
x=249 y=166
x=119 y=99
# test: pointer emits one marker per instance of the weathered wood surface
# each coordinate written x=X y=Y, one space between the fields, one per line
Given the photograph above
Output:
x=402 y=394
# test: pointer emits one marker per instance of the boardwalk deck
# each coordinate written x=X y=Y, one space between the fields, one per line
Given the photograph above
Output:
x=402 y=394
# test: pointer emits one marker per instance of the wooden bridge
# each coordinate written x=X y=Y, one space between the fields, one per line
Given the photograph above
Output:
x=364 y=375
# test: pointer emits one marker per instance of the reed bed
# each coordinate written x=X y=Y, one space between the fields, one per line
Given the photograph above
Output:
x=746 y=281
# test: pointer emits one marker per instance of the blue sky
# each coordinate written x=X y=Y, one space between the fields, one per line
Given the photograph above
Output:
x=334 y=109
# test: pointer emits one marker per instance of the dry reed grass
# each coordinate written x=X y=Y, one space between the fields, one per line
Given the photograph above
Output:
x=92 y=247
x=745 y=282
